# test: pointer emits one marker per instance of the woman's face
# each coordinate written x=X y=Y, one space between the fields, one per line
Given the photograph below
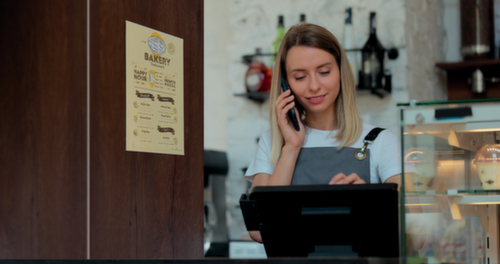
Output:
x=314 y=77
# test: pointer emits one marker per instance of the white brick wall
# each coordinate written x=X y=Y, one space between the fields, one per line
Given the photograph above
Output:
x=234 y=28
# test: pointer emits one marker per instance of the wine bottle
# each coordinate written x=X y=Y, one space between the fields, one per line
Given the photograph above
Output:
x=280 y=33
x=258 y=76
x=349 y=43
x=372 y=59
x=302 y=18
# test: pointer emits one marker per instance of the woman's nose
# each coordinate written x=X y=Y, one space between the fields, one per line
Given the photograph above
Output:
x=313 y=84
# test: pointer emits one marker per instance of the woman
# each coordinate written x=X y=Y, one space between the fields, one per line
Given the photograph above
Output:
x=323 y=92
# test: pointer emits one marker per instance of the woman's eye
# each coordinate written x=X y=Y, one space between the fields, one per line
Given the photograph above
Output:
x=325 y=72
x=299 y=78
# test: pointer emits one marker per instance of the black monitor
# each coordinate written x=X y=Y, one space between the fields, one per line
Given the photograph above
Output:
x=359 y=220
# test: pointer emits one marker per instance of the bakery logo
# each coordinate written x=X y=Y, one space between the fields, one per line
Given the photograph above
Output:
x=156 y=44
x=171 y=49
x=158 y=47
x=165 y=99
x=144 y=95
x=166 y=130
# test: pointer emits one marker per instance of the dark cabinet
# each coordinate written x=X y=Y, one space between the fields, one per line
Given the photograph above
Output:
x=462 y=76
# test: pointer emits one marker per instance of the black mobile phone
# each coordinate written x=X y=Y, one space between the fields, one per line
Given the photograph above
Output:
x=291 y=114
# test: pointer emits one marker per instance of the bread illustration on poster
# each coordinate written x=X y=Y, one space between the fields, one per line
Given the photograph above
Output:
x=165 y=99
x=144 y=95
x=166 y=130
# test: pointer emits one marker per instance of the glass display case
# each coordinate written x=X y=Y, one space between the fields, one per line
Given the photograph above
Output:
x=451 y=167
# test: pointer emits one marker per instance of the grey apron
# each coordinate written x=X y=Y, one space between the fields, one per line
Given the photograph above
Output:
x=319 y=165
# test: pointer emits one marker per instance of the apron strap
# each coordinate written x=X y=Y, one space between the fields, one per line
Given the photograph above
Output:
x=360 y=154
x=373 y=134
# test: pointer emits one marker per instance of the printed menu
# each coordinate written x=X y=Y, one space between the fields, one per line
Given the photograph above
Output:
x=154 y=91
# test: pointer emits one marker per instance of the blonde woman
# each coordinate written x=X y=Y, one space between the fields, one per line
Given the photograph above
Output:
x=327 y=147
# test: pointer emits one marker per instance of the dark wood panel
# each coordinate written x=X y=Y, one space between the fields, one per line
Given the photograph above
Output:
x=468 y=64
x=43 y=153
x=144 y=206
x=460 y=89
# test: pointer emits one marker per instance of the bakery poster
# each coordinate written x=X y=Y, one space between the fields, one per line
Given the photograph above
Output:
x=154 y=91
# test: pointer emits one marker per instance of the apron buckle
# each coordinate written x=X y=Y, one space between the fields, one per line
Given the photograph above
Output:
x=360 y=154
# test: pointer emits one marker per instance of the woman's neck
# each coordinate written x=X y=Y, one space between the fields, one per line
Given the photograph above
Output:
x=322 y=121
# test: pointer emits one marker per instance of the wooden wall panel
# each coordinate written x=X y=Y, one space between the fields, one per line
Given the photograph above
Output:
x=460 y=89
x=144 y=206
x=43 y=136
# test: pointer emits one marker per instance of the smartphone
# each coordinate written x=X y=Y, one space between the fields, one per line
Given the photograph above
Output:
x=291 y=114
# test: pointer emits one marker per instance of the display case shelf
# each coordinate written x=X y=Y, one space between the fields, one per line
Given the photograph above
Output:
x=478 y=192
x=476 y=199
x=436 y=200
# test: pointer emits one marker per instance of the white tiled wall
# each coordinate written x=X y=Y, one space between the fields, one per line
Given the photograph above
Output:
x=234 y=28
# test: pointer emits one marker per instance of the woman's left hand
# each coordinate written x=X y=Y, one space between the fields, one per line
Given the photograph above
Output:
x=340 y=178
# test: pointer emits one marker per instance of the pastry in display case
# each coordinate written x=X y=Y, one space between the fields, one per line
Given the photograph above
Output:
x=487 y=161
x=425 y=164
x=451 y=169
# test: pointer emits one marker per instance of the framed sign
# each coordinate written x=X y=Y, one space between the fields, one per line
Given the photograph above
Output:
x=154 y=91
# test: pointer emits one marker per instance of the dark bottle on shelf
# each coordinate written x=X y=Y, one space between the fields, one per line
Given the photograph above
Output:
x=280 y=33
x=348 y=43
x=302 y=18
x=258 y=76
x=372 y=59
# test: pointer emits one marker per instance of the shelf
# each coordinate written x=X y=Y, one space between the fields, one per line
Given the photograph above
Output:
x=476 y=199
x=392 y=54
x=461 y=78
x=460 y=65
x=258 y=97
x=465 y=101
x=479 y=198
x=426 y=200
x=489 y=192
x=468 y=203
x=248 y=58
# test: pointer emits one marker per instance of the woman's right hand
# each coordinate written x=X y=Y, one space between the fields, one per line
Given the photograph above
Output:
x=255 y=235
x=283 y=104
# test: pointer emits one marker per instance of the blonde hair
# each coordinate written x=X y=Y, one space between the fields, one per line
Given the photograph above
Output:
x=348 y=120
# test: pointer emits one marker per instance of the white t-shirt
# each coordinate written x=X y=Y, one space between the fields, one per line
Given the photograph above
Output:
x=384 y=154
